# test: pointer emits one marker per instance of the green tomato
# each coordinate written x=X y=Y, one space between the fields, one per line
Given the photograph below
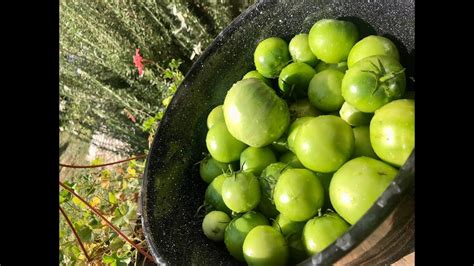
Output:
x=392 y=131
x=213 y=194
x=290 y=159
x=268 y=180
x=300 y=51
x=302 y=108
x=372 y=45
x=373 y=82
x=357 y=185
x=254 y=160
x=264 y=245
x=214 y=225
x=293 y=129
x=298 y=194
x=331 y=40
x=271 y=56
x=324 y=90
x=294 y=79
x=216 y=116
x=257 y=75
x=209 y=168
x=254 y=114
x=237 y=230
x=241 y=192
x=292 y=232
x=222 y=145
x=354 y=117
x=362 y=146
x=325 y=143
x=322 y=231
x=341 y=66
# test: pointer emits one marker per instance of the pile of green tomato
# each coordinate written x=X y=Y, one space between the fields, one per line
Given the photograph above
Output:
x=304 y=145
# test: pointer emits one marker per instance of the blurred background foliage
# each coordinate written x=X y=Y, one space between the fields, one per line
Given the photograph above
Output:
x=102 y=93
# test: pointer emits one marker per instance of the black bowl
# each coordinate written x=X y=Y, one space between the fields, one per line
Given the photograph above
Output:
x=172 y=189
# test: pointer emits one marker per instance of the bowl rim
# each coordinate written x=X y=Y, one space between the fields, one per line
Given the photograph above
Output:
x=400 y=186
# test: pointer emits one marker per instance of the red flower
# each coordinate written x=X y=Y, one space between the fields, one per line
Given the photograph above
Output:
x=137 y=60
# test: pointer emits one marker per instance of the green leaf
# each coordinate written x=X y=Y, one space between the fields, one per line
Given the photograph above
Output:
x=112 y=198
x=64 y=196
x=85 y=233
x=109 y=259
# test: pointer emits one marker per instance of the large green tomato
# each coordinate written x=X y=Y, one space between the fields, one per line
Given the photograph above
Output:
x=292 y=231
x=222 y=145
x=216 y=116
x=353 y=116
x=300 y=51
x=214 y=225
x=294 y=79
x=322 y=231
x=302 y=108
x=241 y=192
x=373 y=82
x=325 y=143
x=257 y=75
x=254 y=114
x=237 y=230
x=331 y=40
x=372 y=45
x=357 y=185
x=298 y=194
x=268 y=180
x=264 y=245
x=392 y=131
x=271 y=56
x=362 y=146
x=209 y=168
x=293 y=129
x=324 y=90
x=213 y=195
x=254 y=160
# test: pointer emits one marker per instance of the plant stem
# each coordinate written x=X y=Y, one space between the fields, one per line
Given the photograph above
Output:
x=75 y=233
x=113 y=227
x=101 y=165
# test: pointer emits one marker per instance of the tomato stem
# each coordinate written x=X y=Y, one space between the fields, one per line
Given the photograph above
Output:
x=391 y=75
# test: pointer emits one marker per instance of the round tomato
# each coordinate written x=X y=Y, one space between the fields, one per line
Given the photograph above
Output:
x=324 y=90
x=215 y=116
x=264 y=245
x=254 y=114
x=237 y=230
x=241 y=192
x=257 y=75
x=331 y=40
x=372 y=45
x=322 y=231
x=362 y=146
x=300 y=51
x=392 y=131
x=357 y=185
x=254 y=160
x=373 y=82
x=298 y=194
x=222 y=145
x=290 y=159
x=324 y=143
x=294 y=79
x=271 y=56
x=214 y=225
x=353 y=116
x=302 y=108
